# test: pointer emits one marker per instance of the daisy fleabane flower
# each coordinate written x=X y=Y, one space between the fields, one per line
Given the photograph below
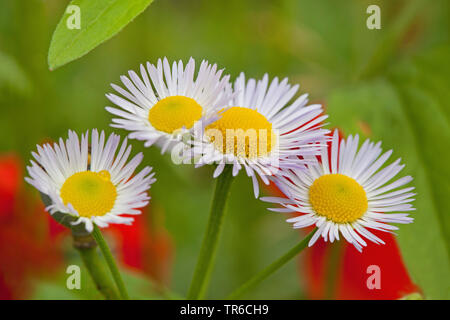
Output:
x=93 y=183
x=270 y=133
x=346 y=193
x=167 y=102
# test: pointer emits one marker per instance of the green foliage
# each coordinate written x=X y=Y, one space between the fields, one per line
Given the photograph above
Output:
x=139 y=287
x=12 y=75
x=322 y=45
x=99 y=21
x=409 y=112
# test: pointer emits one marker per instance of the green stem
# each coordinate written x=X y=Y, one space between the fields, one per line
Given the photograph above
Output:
x=258 y=278
x=208 y=249
x=110 y=261
x=333 y=269
x=87 y=248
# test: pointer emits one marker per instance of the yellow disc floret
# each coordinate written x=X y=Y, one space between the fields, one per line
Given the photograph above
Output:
x=90 y=193
x=173 y=113
x=338 y=197
x=243 y=132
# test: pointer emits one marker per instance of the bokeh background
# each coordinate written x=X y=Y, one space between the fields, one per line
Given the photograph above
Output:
x=390 y=84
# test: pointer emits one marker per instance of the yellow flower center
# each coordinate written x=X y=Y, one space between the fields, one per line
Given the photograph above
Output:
x=338 y=197
x=90 y=193
x=173 y=113
x=243 y=132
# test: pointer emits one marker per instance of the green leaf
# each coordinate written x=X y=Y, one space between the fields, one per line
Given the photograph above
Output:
x=409 y=112
x=99 y=21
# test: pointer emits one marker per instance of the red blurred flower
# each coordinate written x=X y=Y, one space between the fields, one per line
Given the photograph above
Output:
x=351 y=271
x=144 y=246
x=10 y=173
x=26 y=249
x=27 y=238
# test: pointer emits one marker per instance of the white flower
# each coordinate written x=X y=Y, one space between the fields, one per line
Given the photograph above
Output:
x=348 y=196
x=97 y=186
x=166 y=103
x=260 y=131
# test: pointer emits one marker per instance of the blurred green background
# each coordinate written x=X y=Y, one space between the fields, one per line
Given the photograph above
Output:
x=391 y=83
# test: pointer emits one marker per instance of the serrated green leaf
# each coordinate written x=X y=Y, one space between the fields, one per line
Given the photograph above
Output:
x=409 y=112
x=99 y=21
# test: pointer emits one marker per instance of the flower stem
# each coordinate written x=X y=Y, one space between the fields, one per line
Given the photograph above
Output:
x=258 y=278
x=208 y=249
x=110 y=261
x=334 y=263
x=87 y=248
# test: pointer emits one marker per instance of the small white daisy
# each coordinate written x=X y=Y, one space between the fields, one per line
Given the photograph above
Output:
x=348 y=195
x=270 y=134
x=167 y=102
x=97 y=186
